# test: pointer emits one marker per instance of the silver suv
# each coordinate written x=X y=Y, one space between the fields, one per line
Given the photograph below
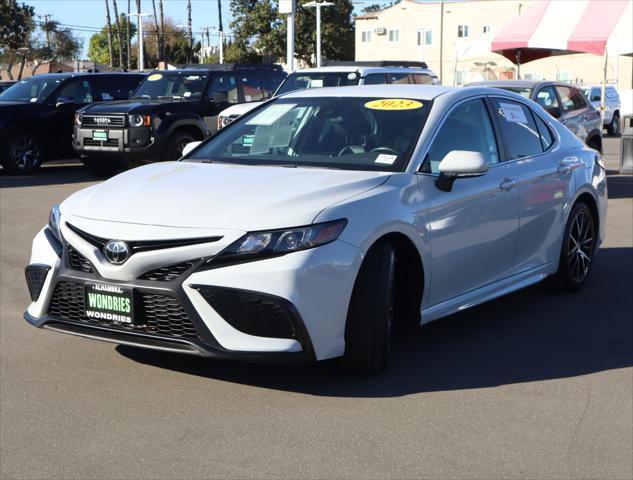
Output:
x=611 y=119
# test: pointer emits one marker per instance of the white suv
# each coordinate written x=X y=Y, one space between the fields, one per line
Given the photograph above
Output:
x=611 y=120
x=347 y=74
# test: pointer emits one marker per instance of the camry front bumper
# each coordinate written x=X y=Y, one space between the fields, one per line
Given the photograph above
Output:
x=287 y=308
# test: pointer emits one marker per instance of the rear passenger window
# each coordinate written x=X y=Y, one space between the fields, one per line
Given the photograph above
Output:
x=545 y=133
x=421 y=79
x=375 y=79
x=271 y=80
x=223 y=89
x=546 y=98
x=566 y=95
x=469 y=128
x=579 y=99
x=521 y=137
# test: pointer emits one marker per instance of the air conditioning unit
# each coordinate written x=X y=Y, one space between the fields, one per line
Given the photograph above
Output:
x=380 y=31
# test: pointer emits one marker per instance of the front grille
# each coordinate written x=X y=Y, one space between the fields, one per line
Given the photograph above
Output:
x=168 y=273
x=250 y=312
x=35 y=278
x=112 y=142
x=102 y=121
x=77 y=261
x=154 y=313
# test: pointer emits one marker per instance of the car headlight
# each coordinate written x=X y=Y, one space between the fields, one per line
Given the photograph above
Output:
x=139 y=120
x=54 y=222
x=256 y=245
x=78 y=118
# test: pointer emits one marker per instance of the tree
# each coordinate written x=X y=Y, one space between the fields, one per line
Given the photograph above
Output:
x=257 y=23
x=16 y=26
x=119 y=32
x=59 y=45
x=376 y=7
x=175 y=40
x=98 y=45
x=109 y=25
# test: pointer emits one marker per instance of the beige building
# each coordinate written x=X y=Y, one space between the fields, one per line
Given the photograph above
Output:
x=454 y=37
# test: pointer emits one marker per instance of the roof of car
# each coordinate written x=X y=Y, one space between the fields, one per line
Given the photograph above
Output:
x=64 y=75
x=419 y=92
x=363 y=70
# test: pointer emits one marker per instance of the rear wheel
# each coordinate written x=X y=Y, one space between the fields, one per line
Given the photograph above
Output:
x=614 y=127
x=23 y=153
x=177 y=143
x=370 y=316
x=577 y=252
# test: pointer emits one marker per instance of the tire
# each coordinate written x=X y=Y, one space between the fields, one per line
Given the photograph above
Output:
x=614 y=127
x=23 y=153
x=101 y=168
x=575 y=262
x=176 y=143
x=370 y=316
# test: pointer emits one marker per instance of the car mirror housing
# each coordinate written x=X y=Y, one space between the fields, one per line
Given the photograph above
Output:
x=460 y=163
x=189 y=147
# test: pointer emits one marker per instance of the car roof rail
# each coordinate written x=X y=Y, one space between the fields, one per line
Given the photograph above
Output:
x=379 y=63
x=230 y=66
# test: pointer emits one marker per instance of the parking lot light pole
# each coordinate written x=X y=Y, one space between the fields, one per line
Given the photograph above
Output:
x=318 y=6
x=140 y=37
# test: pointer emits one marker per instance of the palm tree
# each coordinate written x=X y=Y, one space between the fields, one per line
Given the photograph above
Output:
x=127 y=45
x=162 y=30
x=109 y=31
x=158 y=33
x=119 y=33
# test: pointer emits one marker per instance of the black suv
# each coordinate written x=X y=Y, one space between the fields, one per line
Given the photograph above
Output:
x=36 y=114
x=168 y=110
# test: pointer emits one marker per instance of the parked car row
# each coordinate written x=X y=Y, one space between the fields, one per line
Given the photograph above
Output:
x=114 y=121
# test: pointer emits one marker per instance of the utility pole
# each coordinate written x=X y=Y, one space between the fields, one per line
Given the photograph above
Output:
x=158 y=34
x=318 y=6
x=220 y=17
x=189 y=25
x=119 y=33
x=441 y=42
x=140 y=16
x=162 y=30
x=47 y=31
x=128 y=33
x=108 y=23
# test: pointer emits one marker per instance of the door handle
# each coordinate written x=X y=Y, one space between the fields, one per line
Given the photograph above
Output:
x=508 y=184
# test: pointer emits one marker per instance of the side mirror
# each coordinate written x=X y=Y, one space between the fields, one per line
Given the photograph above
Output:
x=553 y=111
x=460 y=164
x=64 y=101
x=189 y=147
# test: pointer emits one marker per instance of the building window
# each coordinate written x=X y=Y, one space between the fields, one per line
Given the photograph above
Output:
x=462 y=31
x=563 y=77
x=425 y=37
x=394 y=35
x=461 y=77
x=533 y=76
x=366 y=36
x=487 y=28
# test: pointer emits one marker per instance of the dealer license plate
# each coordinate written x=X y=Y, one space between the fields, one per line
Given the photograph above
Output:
x=99 y=134
x=109 y=302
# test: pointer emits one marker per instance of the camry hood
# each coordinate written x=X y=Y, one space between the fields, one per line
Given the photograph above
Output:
x=222 y=196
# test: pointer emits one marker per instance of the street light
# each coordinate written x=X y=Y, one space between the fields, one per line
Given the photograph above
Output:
x=318 y=6
x=140 y=37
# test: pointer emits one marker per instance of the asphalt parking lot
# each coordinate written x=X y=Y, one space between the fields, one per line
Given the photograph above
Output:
x=533 y=385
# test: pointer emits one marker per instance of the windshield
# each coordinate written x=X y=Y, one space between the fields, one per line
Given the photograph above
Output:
x=186 y=86
x=347 y=133
x=32 y=90
x=523 y=91
x=302 y=81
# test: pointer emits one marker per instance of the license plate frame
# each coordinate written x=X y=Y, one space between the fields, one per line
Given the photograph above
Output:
x=110 y=303
x=100 y=135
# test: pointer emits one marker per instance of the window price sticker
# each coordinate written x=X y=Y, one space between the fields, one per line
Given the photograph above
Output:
x=512 y=113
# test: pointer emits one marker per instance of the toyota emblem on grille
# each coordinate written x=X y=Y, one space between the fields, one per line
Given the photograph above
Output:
x=116 y=252
x=102 y=120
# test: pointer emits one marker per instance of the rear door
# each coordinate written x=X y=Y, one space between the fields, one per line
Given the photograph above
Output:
x=544 y=179
x=222 y=92
x=571 y=111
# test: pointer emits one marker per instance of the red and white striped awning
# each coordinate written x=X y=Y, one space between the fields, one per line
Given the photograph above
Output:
x=554 y=27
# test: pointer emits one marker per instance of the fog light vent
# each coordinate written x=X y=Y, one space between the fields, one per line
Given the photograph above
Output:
x=35 y=278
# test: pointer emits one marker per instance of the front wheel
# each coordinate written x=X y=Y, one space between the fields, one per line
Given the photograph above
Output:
x=177 y=142
x=577 y=252
x=614 y=127
x=370 y=316
x=24 y=152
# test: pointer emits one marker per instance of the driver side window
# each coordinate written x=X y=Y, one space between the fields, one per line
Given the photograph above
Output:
x=469 y=128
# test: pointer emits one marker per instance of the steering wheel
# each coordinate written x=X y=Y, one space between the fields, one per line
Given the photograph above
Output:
x=343 y=150
x=384 y=150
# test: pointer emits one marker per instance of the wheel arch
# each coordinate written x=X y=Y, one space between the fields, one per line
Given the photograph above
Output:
x=589 y=200
x=595 y=141
x=190 y=129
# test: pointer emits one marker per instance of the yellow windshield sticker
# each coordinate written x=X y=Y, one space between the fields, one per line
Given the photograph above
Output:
x=393 y=104
x=154 y=77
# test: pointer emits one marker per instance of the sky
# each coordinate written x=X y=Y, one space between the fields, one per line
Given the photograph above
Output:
x=85 y=15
